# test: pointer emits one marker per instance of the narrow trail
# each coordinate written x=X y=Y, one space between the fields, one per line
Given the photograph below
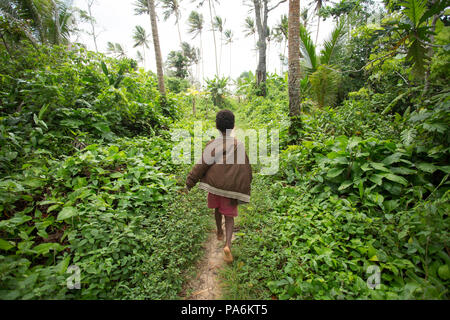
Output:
x=206 y=285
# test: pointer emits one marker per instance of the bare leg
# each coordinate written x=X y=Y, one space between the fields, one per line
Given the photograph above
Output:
x=229 y=224
x=219 y=224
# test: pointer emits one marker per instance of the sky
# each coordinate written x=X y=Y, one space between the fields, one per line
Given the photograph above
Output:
x=115 y=19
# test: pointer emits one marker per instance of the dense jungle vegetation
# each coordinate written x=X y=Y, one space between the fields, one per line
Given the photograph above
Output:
x=87 y=176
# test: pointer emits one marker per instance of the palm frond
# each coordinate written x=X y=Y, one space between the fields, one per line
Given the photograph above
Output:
x=332 y=45
x=249 y=27
x=414 y=10
x=141 y=7
x=195 y=23
x=308 y=49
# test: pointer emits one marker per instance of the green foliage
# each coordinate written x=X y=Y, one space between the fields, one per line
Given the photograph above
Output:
x=217 y=88
x=324 y=85
x=75 y=189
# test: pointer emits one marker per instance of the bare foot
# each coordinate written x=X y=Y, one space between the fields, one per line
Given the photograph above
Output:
x=227 y=255
x=220 y=236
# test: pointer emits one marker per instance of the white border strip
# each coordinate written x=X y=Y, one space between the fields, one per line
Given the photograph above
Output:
x=224 y=193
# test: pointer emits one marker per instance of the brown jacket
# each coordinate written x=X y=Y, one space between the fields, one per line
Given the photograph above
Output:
x=224 y=170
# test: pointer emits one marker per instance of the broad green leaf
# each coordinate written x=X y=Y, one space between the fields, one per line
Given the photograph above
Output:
x=340 y=160
x=62 y=266
x=67 y=212
x=361 y=189
x=402 y=170
x=335 y=172
x=395 y=178
x=427 y=167
x=116 y=175
x=345 y=185
x=104 y=68
x=393 y=158
x=44 y=248
x=352 y=142
x=379 y=166
x=444 y=272
x=376 y=178
x=445 y=169
x=5 y=245
x=391 y=205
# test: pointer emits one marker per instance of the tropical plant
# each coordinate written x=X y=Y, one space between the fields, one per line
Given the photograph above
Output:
x=217 y=89
x=140 y=38
x=229 y=38
x=325 y=81
x=148 y=7
x=213 y=28
x=219 y=25
x=116 y=49
x=46 y=21
x=319 y=5
x=195 y=23
x=250 y=30
x=172 y=7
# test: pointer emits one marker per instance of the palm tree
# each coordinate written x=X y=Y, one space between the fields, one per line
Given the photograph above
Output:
x=319 y=5
x=195 y=23
x=304 y=15
x=250 y=30
x=140 y=38
x=41 y=21
x=148 y=7
x=210 y=4
x=219 y=25
x=280 y=34
x=229 y=40
x=116 y=49
x=294 y=63
x=91 y=20
x=140 y=58
x=324 y=79
x=172 y=7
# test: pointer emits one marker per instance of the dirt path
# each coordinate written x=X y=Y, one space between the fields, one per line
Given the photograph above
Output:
x=206 y=285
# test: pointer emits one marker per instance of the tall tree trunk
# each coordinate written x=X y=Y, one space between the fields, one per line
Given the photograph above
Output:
x=294 y=63
x=143 y=51
x=58 y=38
x=220 y=57
x=159 y=65
x=317 y=33
x=203 y=63
x=178 y=26
x=261 y=27
x=94 y=35
x=230 y=61
x=214 y=36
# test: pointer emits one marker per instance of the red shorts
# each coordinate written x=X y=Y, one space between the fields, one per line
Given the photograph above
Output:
x=223 y=204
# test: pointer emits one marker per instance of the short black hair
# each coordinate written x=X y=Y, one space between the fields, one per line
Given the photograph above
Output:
x=224 y=120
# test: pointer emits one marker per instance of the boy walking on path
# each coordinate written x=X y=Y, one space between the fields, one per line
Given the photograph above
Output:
x=224 y=171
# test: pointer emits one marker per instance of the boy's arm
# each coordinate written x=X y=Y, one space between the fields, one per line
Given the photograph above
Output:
x=197 y=172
